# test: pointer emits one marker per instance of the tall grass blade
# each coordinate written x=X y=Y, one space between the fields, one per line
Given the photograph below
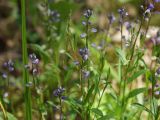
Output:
x=27 y=93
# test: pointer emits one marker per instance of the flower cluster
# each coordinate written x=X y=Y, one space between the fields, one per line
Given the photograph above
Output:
x=34 y=59
x=147 y=12
x=58 y=92
x=88 y=13
x=54 y=15
x=35 y=62
x=84 y=52
x=9 y=65
x=122 y=12
x=86 y=74
x=111 y=18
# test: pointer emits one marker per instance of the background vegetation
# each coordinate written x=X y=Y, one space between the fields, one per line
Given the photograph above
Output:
x=79 y=59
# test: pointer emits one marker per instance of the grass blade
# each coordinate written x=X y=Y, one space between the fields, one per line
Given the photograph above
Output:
x=27 y=93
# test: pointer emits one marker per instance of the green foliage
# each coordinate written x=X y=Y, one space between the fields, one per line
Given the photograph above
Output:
x=135 y=92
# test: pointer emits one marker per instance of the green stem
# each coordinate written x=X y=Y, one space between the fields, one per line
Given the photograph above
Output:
x=128 y=66
x=27 y=93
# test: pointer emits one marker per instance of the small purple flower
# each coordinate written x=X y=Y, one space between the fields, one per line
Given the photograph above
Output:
x=128 y=25
x=35 y=71
x=84 y=23
x=11 y=69
x=63 y=97
x=157 y=92
x=147 y=14
x=84 y=52
x=5 y=64
x=94 y=30
x=9 y=65
x=111 y=18
x=122 y=12
x=93 y=45
x=86 y=74
x=150 y=6
x=88 y=13
x=55 y=16
x=83 y=35
x=4 y=76
x=58 y=92
x=34 y=59
x=156 y=1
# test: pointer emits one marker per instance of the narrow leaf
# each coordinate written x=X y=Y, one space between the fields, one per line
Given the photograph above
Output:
x=136 y=75
x=135 y=92
x=121 y=55
x=89 y=94
x=97 y=111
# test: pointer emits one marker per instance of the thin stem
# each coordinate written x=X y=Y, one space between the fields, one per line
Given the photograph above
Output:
x=81 y=82
x=121 y=35
x=87 y=35
x=27 y=95
x=60 y=103
x=128 y=66
x=3 y=111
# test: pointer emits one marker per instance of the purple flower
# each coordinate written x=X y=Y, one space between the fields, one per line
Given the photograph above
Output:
x=94 y=30
x=54 y=16
x=150 y=6
x=88 y=13
x=84 y=52
x=9 y=65
x=84 y=23
x=93 y=45
x=128 y=25
x=147 y=14
x=83 y=35
x=156 y=1
x=34 y=59
x=4 y=76
x=58 y=92
x=35 y=71
x=85 y=74
x=111 y=18
x=122 y=12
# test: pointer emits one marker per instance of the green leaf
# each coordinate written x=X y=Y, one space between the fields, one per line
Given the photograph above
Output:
x=143 y=107
x=135 y=92
x=136 y=75
x=89 y=94
x=106 y=117
x=9 y=115
x=121 y=55
x=97 y=111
